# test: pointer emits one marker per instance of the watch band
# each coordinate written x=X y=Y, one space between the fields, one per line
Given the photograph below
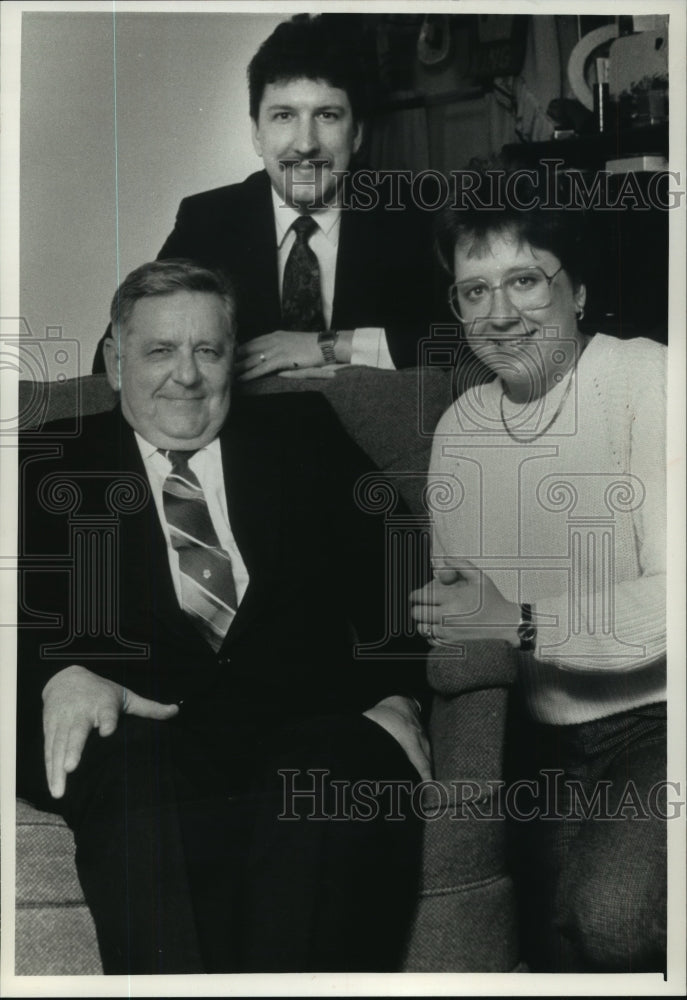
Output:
x=326 y=341
x=527 y=630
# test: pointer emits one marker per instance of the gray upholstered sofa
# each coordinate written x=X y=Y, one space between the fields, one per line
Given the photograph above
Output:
x=465 y=920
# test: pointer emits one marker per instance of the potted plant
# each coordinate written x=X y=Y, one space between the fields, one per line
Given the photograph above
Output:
x=646 y=102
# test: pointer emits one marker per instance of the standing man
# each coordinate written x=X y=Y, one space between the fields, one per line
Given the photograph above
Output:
x=199 y=716
x=323 y=275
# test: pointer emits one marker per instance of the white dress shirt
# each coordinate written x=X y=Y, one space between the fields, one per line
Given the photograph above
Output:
x=207 y=465
x=369 y=345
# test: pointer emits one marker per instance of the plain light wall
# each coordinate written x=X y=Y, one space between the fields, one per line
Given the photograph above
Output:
x=121 y=117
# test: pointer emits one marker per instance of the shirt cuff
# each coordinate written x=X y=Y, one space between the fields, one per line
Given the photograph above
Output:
x=369 y=347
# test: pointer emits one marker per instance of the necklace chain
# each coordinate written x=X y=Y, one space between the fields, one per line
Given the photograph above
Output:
x=551 y=422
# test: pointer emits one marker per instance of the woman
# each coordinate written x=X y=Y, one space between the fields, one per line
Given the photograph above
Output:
x=555 y=542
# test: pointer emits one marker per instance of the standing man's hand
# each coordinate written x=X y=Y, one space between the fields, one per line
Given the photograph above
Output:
x=293 y=353
x=400 y=716
x=75 y=701
x=276 y=352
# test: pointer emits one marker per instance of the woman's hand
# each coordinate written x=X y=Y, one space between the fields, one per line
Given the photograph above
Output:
x=461 y=604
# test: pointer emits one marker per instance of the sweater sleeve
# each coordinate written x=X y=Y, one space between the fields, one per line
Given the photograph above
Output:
x=637 y=635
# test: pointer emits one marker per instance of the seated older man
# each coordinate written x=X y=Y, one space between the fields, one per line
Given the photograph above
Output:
x=226 y=762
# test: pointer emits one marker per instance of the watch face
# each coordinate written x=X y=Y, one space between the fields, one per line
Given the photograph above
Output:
x=527 y=633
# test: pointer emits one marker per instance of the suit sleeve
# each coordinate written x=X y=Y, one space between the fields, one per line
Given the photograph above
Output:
x=45 y=587
x=182 y=241
x=418 y=287
x=88 y=549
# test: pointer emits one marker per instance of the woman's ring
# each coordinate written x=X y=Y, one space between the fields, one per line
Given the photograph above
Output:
x=262 y=357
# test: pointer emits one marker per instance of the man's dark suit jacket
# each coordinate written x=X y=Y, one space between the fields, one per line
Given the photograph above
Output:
x=316 y=564
x=386 y=275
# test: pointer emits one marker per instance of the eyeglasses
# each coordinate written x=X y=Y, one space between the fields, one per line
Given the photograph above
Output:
x=526 y=288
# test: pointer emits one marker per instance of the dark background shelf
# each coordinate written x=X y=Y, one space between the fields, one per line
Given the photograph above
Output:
x=591 y=151
x=627 y=281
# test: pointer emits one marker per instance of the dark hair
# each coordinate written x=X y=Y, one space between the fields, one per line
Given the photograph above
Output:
x=320 y=47
x=163 y=277
x=540 y=215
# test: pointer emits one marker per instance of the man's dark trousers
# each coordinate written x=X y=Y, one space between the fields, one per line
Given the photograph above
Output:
x=181 y=878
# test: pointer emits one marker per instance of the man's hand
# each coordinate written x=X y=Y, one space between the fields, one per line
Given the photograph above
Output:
x=461 y=604
x=400 y=716
x=276 y=352
x=75 y=701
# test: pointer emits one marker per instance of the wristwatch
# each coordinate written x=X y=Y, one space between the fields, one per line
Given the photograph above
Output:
x=326 y=341
x=527 y=630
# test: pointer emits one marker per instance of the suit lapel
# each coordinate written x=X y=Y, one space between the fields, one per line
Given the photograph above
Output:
x=256 y=514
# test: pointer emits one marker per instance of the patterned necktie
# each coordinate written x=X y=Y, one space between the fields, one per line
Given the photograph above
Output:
x=208 y=590
x=301 y=296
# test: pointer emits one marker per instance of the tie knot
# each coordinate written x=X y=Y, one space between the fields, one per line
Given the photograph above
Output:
x=304 y=227
x=179 y=459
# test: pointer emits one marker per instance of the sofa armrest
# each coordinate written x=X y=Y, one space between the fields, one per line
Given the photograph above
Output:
x=467 y=915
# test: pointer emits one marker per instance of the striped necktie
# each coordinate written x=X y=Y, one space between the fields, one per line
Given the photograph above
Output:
x=301 y=295
x=208 y=589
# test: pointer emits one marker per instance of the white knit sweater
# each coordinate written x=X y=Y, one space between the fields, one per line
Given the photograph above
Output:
x=572 y=522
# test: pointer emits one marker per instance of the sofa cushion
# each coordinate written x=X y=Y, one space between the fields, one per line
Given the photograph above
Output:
x=56 y=941
x=41 y=402
x=45 y=858
x=55 y=934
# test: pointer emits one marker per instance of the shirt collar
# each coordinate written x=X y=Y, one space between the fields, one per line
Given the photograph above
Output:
x=148 y=450
x=328 y=219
